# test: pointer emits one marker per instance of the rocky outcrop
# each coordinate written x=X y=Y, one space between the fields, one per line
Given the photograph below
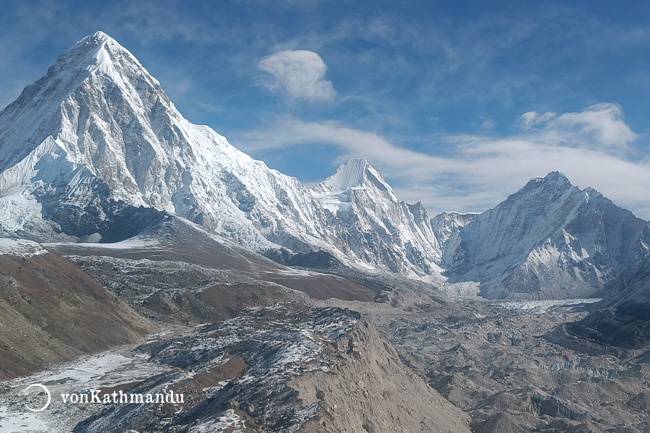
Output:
x=371 y=390
x=283 y=368
x=620 y=324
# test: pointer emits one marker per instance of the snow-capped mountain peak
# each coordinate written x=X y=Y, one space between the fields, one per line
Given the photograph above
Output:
x=357 y=195
x=550 y=239
x=357 y=177
x=98 y=132
x=95 y=150
x=98 y=38
x=101 y=54
x=553 y=176
x=357 y=172
x=447 y=224
x=96 y=144
x=95 y=64
x=553 y=181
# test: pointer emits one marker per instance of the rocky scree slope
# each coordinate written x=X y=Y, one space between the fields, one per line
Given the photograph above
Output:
x=51 y=311
x=373 y=391
x=257 y=372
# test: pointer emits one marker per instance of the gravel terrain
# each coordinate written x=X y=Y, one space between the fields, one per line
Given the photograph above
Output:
x=497 y=362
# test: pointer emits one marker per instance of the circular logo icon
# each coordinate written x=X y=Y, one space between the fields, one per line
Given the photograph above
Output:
x=47 y=391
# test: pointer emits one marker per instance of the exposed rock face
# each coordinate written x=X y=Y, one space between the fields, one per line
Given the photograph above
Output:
x=621 y=324
x=549 y=240
x=631 y=292
x=372 y=391
x=265 y=348
x=51 y=311
x=447 y=224
x=277 y=368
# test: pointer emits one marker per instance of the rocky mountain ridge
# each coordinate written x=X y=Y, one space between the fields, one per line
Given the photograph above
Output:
x=550 y=239
x=357 y=195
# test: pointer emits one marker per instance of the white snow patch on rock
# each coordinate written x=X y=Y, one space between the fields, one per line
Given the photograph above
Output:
x=20 y=247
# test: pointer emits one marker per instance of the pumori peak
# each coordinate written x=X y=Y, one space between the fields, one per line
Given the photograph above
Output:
x=102 y=53
x=98 y=37
x=97 y=40
x=96 y=145
x=95 y=65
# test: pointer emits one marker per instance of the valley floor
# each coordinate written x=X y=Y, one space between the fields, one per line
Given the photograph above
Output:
x=292 y=363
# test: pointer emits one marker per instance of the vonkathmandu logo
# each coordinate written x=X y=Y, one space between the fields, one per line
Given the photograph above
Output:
x=43 y=389
x=96 y=396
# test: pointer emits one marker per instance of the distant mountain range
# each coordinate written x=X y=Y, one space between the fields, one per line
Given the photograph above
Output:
x=95 y=151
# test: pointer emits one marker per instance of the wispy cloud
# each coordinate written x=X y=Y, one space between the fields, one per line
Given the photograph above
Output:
x=600 y=125
x=301 y=73
x=288 y=131
x=481 y=171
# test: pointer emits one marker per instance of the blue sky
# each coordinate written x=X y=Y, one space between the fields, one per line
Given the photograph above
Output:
x=457 y=103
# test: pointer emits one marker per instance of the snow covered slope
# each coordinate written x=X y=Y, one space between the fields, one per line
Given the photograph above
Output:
x=446 y=226
x=379 y=228
x=95 y=150
x=21 y=248
x=549 y=240
x=98 y=132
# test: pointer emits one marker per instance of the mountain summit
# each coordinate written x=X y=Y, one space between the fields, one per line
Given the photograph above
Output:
x=39 y=105
x=550 y=239
x=95 y=150
x=97 y=135
x=357 y=172
x=357 y=195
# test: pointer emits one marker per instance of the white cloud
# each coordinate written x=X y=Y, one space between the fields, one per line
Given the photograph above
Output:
x=600 y=126
x=533 y=118
x=288 y=131
x=301 y=73
x=604 y=122
x=483 y=171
